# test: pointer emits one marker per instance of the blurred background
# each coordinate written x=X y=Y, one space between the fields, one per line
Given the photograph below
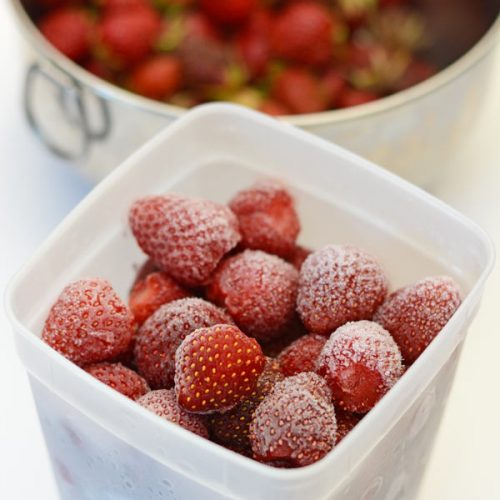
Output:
x=37 y=189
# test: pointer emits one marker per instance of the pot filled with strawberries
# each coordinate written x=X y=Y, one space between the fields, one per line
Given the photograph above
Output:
x=397 y=81
x=220 y=320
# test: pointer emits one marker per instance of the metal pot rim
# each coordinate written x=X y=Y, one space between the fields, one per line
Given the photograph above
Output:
x=109 y=91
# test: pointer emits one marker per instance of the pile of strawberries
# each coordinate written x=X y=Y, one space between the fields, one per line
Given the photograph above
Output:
x=239 y=335
x=282 y=57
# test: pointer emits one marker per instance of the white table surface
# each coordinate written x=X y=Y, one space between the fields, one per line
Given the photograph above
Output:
x=37 y=190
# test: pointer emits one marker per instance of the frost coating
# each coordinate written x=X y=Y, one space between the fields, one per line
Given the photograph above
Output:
x=186 y=237
x=337 y=284
x=415 y=314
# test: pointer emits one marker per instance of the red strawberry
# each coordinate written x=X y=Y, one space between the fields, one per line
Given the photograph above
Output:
x=333 y=85
x=164 y=404
x=346 y=422
x=360 y=362
x=216 y=368
x=295 y=425
x=152 y=292
x=157 y=78
x=415 y=314
x=186 y=237
x=298 y=255
x=199 y=26
x=293 y=331
x=258 y=290
x=301 y=355
x=113 y=5
x=417 y=72
x=299 y=91
x=303 y=33
x=89 y=322
x=273 y=107
x=349 y=97
x=120 y=378
x=267 y=217
x=146 y=268
x=253 y=43
x=69 y=30
x=125 y=36
x=228 y=12
x=99 y=69
x=160 y=336
x=231 y=428
x=339 y=283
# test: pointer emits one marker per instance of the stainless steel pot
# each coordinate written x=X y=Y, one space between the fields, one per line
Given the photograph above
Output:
x=413 y=132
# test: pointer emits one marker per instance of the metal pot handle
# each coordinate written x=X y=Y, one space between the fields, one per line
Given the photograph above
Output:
x=72 y=91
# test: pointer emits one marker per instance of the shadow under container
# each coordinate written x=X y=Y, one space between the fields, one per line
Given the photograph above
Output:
x=105 y=446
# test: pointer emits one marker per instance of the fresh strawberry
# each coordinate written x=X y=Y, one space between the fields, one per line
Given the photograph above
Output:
x=160 y=336
x=120 y=378
x=299 y=91
x=69 y=30
x=164 y=404
x=303 y=33
x=157 y=78
x=125 y=36
x=253 y=43
x=339 y=283
x=267 y=217
x=228 y=12
x=231 y=428
x=415 y=314
x=351 y=97
x=273 y=107
x=295 y=424
x=360 y=362
x=108 y=6
x=301 y=355
x=152 y=292
x=186 y=237
x=216 y=368
x=258 y=290
x=298 y=255
x=417 y=72
x=99 y=69
x=346 y=422
x=332 y=84
x=197 y=25
x=89 y=322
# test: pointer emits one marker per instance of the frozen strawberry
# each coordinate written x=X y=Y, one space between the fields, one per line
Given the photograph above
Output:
x=351 y=97
x=162 y=333
x=157 y=78
x=146 y=268
x=303 y=33
x=120 y=378
x=253 y=43
x=294 y=425
x=229 y=12
x=216 y=368
x=301 y=355
x=346 y=422
x=259 y=291
x=415 y=314
x=231 y=428
x=152 y=292
x=89 y=322
x=360 y=362
x=299 y=91
x=164 y=404
x=267 y=217
x=298 y=255
x=294 y=330
x=339 y=283
x=186 y=237
x=126 y=36
x=69 y=30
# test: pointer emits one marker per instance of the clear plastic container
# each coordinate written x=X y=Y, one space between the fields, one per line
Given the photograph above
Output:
x=104 y=446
